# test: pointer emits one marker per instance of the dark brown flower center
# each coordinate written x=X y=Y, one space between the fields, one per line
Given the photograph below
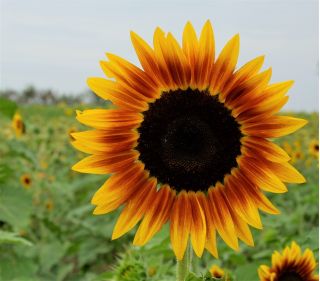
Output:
x=290 y=276
x=27 y=181
x=19 y=124
x=189 y=140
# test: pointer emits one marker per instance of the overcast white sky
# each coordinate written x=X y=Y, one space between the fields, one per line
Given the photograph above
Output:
x=58 y=44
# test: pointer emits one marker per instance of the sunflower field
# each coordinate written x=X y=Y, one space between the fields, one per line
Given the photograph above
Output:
x=48 y=232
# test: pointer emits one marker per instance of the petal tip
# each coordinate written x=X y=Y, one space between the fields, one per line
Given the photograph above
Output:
x=76 y=168
x=97 y=211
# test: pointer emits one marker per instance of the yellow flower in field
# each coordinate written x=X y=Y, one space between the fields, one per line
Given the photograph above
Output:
x=68 y=111
x=187 y=142
x=287 y=147
x=43 y=164
x=41 y=175
x=152 y=271
x=297 y=144
x=49 y=205
x=308 y=162
x=291 y=265
x=314 y=148
x=51 y=178
x=18 y=125
x=216 y=271
x=296 y=156
x=26 y=181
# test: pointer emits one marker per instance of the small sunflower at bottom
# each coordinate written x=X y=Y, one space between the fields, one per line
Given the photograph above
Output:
x=18 y=125
x=217 y=272
x=187 y=141
x=26 y=181
x=290 y=265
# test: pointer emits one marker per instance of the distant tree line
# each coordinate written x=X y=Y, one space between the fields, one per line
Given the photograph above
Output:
x=32 y=95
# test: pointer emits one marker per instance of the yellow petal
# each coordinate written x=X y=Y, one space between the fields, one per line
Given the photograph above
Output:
x=267 y=103
x=105 y=164
x=225 y=64
x=241 y=201
x=190 y=49
x=274 y=127
x=198 y=225
x=146 y=57
x=155 y=218
x=222 y=218
x=180 y=224
x=102 y=142
x=244 y=73
x=108 y=90
x=242 y=230
x=265 y=148
x=160 y=51
x=244 y=96
x=260 y=175
x=135 y=209
x=118 y=189
x=205 y=56
x=128 y=72
x=177 y=63
x=211 y=243
x=264 y=273
x=261 y=201
x=110 y=119
x=287 y=173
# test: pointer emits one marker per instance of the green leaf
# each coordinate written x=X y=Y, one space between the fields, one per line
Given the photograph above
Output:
x=15 y=206
x=12 y=238
x=13 y=268
x=5 y=172
x=247 y=272
x=63 y=271
x=106 y=276
x=193 y=277
x=50 y=254
x=7 y=107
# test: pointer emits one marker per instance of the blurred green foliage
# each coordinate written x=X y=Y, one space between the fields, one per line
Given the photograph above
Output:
x=48 y=232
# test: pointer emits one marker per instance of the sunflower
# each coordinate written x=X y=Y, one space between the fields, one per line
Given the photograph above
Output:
x=314 y=148
x=49 y=205
x=217 y=272
x=291 y=265
x=187 y=141
x=287 y=147
x=18 y=125
x=296 y=156
x=26 y=181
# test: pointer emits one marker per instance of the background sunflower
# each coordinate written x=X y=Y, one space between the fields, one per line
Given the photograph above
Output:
x=291 y=264
x=18 y=125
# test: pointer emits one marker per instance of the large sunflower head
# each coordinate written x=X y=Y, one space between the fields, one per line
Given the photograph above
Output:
x=18 y=125
x=187 y=141
x=290 y=265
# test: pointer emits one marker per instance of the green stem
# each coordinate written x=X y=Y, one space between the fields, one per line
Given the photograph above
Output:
x=184 y=266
